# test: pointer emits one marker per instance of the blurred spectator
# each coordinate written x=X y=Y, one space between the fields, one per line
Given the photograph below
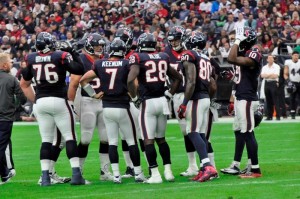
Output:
x=224 y=50
x=230 y=24
x=221 y=20
x=174 y=12
x=224 y=4
x=215 y=6
x=234 y=10
x=251 y=22
x=295 y=19
x=205 y=6
x=184 y=12
x=266 y=42
x=241 y=21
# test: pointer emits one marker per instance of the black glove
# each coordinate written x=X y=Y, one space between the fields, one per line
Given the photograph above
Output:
x=66 y=46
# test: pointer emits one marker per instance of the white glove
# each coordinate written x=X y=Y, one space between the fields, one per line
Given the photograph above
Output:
x=239 y=35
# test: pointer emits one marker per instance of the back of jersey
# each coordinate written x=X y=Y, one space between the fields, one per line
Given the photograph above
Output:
x=152 y=76
x=203 y=72
x=49 y=73
x=113 y=75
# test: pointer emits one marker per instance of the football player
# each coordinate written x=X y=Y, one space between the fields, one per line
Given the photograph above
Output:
x=113 y=73
x=196 y=102
x=176 y=36
x=48 y=67
x=91 y=110
x=151 y=68
x=125 y=34
x=292 y=76
x=247 y=60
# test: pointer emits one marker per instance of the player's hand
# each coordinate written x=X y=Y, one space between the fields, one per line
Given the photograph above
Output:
x=99 y=95
x=73 y=107
x=168 y=95
x=230 y=109
x=66 y=46
x=240 y=34
x=181 y=111
x=137 y=102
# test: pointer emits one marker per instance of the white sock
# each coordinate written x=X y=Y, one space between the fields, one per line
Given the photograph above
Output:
x=167 y=167
x=74 y=162
x=81 y=163
x=211 y=157
x=192 y=160
x=45 y=164
x=104 y=161
x=51 y=168
x=249 y=162
x=115 y=169
x=155 y=172
x=137 y=170
x=127 y=159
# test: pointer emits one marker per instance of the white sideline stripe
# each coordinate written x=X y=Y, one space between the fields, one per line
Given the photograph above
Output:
x=222 y=120
x=188 y=186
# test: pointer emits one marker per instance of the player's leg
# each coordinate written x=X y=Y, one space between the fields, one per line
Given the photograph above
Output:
x=111 y=116
x=127 y=127
x=247 y=129
x=189 y=147
x=103 y=148
x=42 y=110
x=148 y=123
x=210 y=151
x=88 y=117
x=197 y=111
x=65 y=121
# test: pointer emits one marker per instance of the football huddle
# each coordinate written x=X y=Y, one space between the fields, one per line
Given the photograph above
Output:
x=127 y=91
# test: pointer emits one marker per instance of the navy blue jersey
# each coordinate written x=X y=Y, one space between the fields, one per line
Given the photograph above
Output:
x=153 y=70
x=247 y=78
x=175 y=62
x=203 y=72
x=49 y=73
x=88 y=63
x=113 y=75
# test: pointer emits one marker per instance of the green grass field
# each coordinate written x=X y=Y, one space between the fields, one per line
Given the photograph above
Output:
x=278 y=154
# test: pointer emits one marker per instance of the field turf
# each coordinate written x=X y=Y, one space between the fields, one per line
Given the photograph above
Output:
x=279 y=158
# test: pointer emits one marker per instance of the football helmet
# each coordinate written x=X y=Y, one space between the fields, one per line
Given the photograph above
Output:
x=45 y=42
x=250 y=41
x=125 y=34
x=146 y=42
x=175 y=37
x=117 y=48
x=195 y=40
x=93 y=41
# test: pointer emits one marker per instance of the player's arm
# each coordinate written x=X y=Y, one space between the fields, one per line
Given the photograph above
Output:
x=84 y=82
x=74 y=83
x=242 y=61
x=72 y=65
x=212 y=88
x=27 y=89
x=176 y=77
x=190 y=71
x=286 y=72
x=131 y=85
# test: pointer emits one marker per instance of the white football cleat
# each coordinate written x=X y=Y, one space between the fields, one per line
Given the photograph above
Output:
x=140 y=177
x=232 y=170
x=169 y=176
x=189 y=172
x=117 y=179
x=106 y=176
x=154 y=180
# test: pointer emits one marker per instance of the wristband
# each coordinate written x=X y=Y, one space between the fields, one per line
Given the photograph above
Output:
x=89 y=90
x=185 y=101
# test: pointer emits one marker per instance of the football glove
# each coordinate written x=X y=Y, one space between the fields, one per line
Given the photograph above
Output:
x=168 y=95
x=181 y=111
x=230 y=109
x=214 y=104
x=228 y=75
x=240 y=35
x=137 y=102
x=66 y=46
